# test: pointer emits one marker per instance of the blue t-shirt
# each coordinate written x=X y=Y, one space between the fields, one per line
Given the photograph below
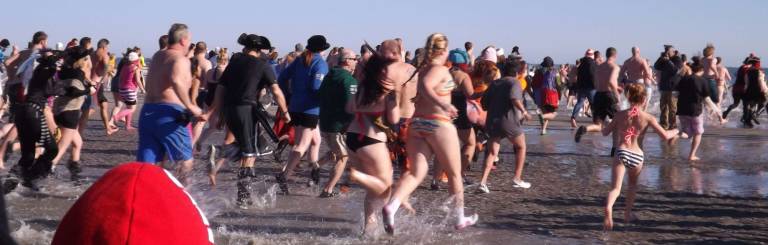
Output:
x=305 y=81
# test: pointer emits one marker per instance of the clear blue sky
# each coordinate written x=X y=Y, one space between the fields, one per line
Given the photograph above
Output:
x=561 y=29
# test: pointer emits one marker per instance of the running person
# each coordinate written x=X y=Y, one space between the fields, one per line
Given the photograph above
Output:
x=459 y=67
x=375 y=103
x=306 y=74
x=167 y=109
x=739 y=86
x=637 y=70
x=432 y=134
x=67 y=106
x=606 y=99
x=506 y=112
x=711 y=73
x=545 y=92
x=130 y=82
x=337 y=89
x=694 y=92
x=630 y=125
x=237 y=96
x=585 y=83
x=31 y=121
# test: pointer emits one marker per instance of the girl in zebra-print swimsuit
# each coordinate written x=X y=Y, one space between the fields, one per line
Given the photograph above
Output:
x=630 y=125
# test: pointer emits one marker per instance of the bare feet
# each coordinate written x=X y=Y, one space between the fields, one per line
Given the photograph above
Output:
x=130 y=129
x=573 y=123
x=693 y=158
x=111 y=131
x=408 y=208
x=608 y=224
x=212 y=179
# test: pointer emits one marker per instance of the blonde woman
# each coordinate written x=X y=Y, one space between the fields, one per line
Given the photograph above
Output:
x=432 y=133
x=67 y=106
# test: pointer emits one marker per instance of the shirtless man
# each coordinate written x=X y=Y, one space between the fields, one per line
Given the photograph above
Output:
x=637 y=70
x=167 y=107
x=711 y=73
x=607 y=95
x=98 y=77
x=723 y=78
x=206 y=68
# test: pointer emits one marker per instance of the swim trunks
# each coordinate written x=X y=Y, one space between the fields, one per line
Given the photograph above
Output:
x=605 y=105
x=128 y=96
x=691 y=125
x=162 y=132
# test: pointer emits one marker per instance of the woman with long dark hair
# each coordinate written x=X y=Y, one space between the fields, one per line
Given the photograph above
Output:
x=375 y=104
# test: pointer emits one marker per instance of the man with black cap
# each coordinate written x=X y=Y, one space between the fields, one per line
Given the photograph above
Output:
x=238 y=95
x=668 y=81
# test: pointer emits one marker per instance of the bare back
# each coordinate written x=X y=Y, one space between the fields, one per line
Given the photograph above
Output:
x=434 y=90
x=206 y=68
x=167 y=66
x=636 y=69
x=408 y=90
x=710 y=67
x=606 y=75
x=100 y=65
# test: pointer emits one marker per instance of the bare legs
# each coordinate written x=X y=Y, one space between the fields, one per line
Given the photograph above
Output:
x=469 y=143
x=545 y=118
x=69 y=136
x=373 y=172
x=695 y=142
x=308 y=139
x=127 y=115
x=445 y=147
x=493 y=152
x=613 y=194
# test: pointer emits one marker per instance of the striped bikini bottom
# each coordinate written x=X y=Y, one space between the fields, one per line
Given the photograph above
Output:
x=629 y=158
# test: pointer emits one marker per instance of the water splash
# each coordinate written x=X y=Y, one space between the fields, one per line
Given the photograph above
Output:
x=26 y=235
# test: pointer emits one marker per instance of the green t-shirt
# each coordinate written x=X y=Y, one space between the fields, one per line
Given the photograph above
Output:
x=338 y=87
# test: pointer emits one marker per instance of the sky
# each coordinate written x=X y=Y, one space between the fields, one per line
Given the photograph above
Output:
x=560 y=29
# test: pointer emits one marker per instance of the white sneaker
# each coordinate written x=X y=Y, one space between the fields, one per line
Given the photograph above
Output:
x=521 y=184
x=484 y=188
x=467 y=221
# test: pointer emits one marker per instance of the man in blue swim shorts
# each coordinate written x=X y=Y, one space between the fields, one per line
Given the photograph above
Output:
x=167 y=110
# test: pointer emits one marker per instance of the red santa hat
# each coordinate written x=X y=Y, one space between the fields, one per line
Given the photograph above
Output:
x=134 y=203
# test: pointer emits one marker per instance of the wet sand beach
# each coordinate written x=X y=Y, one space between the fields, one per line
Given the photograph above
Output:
x=723 y=198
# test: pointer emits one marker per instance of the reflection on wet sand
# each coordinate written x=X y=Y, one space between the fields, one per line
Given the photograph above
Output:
x=677 y=178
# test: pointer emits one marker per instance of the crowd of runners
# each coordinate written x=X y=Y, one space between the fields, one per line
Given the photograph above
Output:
x=386 y=112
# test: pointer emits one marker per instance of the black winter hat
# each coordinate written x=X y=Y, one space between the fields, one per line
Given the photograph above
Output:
x=317 y=43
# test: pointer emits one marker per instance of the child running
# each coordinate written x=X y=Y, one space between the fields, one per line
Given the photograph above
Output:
x=630 y=125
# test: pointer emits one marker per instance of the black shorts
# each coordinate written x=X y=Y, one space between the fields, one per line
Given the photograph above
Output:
x=211 y=94
x=100 y=95
x=462 y=121
x=241 y=122
x=67 y=119
x=300 y=119
x=604 y=105
x=547 y=109
x=114 y=85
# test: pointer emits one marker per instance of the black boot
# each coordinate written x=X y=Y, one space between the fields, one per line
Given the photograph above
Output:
x=283 y=183
x=243 y=187
x=314 y=176
x=74 y=170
